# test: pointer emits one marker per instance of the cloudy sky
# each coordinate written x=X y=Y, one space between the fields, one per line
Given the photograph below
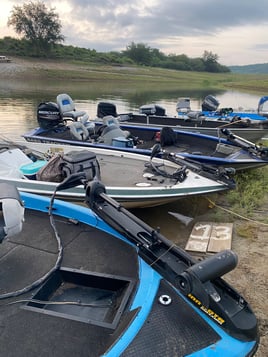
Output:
x=235 y=30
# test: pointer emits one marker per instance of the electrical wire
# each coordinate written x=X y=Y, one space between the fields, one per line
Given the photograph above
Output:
x=52 y=270
x=45 y=302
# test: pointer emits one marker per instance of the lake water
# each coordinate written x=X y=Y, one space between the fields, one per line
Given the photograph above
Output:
x=19 y=101
x=18 y=106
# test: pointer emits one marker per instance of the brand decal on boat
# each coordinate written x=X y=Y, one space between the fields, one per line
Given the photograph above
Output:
x=207 y=311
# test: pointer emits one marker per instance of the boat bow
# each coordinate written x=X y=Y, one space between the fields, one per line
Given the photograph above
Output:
x=199 y=282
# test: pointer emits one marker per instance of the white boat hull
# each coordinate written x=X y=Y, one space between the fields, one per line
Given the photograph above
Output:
x=128 y=184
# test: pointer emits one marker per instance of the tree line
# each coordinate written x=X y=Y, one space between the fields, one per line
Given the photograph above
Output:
x=40 y=31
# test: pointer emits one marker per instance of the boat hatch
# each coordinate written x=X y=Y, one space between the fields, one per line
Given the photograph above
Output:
x=93 y=298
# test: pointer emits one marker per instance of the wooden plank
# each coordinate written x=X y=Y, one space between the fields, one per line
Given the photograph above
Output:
x=210 y=237
x=199 y=238
x=221 y=237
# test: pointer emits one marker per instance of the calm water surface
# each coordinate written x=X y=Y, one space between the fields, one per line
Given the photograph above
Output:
x=18 y=105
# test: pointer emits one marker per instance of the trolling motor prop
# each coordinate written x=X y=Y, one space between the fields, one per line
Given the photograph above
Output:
x=11 y=211
x=207 y=270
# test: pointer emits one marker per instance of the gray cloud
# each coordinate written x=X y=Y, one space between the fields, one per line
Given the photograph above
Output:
x=172 y=18
x=107 y=25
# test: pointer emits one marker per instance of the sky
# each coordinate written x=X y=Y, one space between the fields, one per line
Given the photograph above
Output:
x=235 y=30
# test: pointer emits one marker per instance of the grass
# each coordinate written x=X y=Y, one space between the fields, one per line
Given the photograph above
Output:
x=251 y=191
x=247 y=230
x=146 y=78
x=248 y=202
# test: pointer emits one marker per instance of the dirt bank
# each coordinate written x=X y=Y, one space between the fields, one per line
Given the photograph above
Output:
x=28 y=68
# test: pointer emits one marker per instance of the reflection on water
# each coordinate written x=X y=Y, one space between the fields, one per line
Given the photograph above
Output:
x=19 y=101
x=18 y=107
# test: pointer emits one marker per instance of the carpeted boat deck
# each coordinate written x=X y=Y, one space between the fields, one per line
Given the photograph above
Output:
x=169 y=330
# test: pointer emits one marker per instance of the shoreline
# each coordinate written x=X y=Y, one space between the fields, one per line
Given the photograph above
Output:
x=140 y=76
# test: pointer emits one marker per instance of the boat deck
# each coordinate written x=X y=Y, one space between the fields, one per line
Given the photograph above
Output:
x=26 y=258
x=26 y=332
x=119 y=171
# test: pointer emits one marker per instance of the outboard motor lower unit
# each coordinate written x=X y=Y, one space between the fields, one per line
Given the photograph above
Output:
x=210 y=103
x=48 y=115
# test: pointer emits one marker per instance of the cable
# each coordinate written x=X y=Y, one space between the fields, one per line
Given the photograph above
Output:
x=52 y=270
x=45 y=302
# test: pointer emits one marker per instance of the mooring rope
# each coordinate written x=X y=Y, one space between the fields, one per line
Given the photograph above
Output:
x=236 y=214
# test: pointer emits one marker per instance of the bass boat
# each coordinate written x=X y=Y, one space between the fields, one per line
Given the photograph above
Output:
x=77 y=282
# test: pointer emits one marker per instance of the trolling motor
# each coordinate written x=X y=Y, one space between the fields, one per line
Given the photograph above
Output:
x=199 y=281
x=11 y=211
x=245 y=144
x=224 y=174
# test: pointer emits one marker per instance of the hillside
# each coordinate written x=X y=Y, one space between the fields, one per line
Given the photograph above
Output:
x=259 y=68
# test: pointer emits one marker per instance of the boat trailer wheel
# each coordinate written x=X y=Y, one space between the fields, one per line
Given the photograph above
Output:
x=165 y=300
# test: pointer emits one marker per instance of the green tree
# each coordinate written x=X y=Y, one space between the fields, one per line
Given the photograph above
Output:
x=139 y=53
x=210 y=61
x=37 y=24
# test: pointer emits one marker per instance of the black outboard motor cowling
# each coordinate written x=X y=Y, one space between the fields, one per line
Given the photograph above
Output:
x=48 y=115
x=152 y=109
x=210 y=103
x=106 y=108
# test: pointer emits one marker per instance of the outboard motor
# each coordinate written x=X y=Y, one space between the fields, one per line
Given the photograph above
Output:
x=152 y=109
x=48 y=115
x=210 y=103
x=11 y=211
x=263 y=106
x=105 y=108
x=183 y=105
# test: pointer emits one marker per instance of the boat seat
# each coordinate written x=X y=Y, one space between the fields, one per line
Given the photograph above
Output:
x=111 y=132
x=67 y=108
x=110 y=120
x=79 y=130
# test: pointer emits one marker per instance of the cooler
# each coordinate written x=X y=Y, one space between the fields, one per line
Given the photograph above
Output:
x=30 y=170
x=123 y=142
